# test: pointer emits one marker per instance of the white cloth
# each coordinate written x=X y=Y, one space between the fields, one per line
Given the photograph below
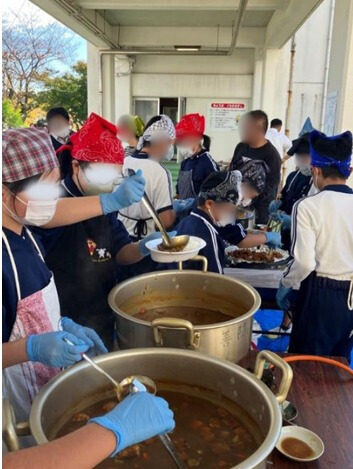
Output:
x=158 y=189
x=280 y=141
x=322 y=238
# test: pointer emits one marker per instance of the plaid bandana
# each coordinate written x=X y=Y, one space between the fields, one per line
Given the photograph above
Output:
x=222 y=186
x=163 y=128
x=26 y=153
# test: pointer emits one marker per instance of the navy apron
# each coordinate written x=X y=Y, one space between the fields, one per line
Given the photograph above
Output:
x=85 y=272
x=186 y=185
x=323 y=318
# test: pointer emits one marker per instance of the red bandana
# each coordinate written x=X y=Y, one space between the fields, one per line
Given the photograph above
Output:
x=96 y=142
x=190 y=125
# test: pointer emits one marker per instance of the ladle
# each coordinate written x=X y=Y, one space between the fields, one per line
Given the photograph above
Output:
x=135 y=384
x=168 y=244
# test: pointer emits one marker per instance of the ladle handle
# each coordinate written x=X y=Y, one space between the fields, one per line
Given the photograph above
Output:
x=148 y=204
x=97 y=367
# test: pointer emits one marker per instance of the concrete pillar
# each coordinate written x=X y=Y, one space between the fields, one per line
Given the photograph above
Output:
x=275 y=82
x=341 y=64
x=93 y=96
x=340 y=79
x=257 y=79
x=108 y=87
x=122 y=85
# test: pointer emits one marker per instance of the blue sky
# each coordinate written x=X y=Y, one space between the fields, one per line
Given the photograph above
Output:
x=17 y=7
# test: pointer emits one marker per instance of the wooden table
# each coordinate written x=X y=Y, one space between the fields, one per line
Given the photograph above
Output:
x=323 y=396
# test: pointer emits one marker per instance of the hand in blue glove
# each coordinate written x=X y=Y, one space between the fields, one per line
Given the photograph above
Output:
x=138 y=417
x=285 y=219
x=127 y=193
x=282 y=297
x=51 y=349
x=274 y=206
x=273 y=239
x=182 y=205
x=142 y=244
x=88 y=335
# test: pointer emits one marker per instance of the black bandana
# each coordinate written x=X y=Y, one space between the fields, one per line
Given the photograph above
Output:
x=254 y=172
x=222 y=186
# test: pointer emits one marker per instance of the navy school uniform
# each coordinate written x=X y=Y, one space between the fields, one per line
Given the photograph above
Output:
x=31 y=280
x=200 y=224
x=193 y=172
x=296 y=187
x=82 y=258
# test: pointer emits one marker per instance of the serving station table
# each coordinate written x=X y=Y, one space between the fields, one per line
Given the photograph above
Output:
x=323 y=396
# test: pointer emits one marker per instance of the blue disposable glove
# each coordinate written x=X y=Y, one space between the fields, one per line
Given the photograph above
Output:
x=142 y=244
x=282 y=297
x=138 y=417
x=127 y=193
x=274 y=206
x=273 y=239
x=182 y=205
x=285 y=219
x=52 y=350
x=86 y=334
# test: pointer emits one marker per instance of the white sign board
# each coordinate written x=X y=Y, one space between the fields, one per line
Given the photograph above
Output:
x=224 y=117
x=330 y=113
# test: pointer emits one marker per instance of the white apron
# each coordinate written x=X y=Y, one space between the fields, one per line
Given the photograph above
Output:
x=36 y=314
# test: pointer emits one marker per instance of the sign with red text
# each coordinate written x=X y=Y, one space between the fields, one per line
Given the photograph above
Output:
x=224 y=117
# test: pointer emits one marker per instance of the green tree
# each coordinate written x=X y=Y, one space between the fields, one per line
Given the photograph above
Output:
x=68 y=90
x=11 y=117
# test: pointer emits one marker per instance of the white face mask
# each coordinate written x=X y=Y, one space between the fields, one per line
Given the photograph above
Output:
x=63 y=133
x=226 y=219
x=170 y=154
x=101 y=178
x=246 y=202
x=41 y=211
x=305 y=170
x=185 y=152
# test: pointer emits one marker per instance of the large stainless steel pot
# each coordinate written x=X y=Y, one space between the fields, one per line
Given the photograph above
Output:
x=229 y=340
x=80 y=385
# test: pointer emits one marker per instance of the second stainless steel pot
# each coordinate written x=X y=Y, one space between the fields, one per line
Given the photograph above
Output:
x=229 y=340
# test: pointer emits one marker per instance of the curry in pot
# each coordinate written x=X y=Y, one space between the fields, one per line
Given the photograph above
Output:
x=196 y=315
x=210 y=432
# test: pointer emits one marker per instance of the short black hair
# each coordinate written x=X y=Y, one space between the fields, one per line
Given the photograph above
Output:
x=259 y=116
x=332 y=172
x=57 y=111
x=276 y=123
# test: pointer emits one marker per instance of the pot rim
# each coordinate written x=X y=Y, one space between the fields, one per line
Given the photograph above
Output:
x=256 y=458
x=257 y=299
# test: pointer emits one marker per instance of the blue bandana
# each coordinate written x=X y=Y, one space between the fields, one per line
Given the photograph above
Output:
x=335 y=151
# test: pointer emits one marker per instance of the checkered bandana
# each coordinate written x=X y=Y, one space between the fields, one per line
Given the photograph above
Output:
x=26 y=153
x=164 y=128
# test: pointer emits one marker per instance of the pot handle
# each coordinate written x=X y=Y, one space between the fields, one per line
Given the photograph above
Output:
x=192 y=337
x=287 y=372
x=202 y=259
x=10 y=429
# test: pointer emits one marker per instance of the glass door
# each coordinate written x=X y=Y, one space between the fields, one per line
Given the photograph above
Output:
x=146 y=108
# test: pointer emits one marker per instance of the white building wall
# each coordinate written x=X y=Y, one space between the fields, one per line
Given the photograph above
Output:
x=201 y=80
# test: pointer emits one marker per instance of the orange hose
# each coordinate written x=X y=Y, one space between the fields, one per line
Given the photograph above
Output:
x=315 y=358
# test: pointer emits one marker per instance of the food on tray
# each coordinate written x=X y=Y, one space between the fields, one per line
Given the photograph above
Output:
x=259 y=255
x=210 y=432
x=255 y=256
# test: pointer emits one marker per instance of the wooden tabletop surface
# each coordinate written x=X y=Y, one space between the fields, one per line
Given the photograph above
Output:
x=323 y=396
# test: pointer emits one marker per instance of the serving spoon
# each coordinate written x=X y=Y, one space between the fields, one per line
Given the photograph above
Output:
x=168 y=243
x=135 y=384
